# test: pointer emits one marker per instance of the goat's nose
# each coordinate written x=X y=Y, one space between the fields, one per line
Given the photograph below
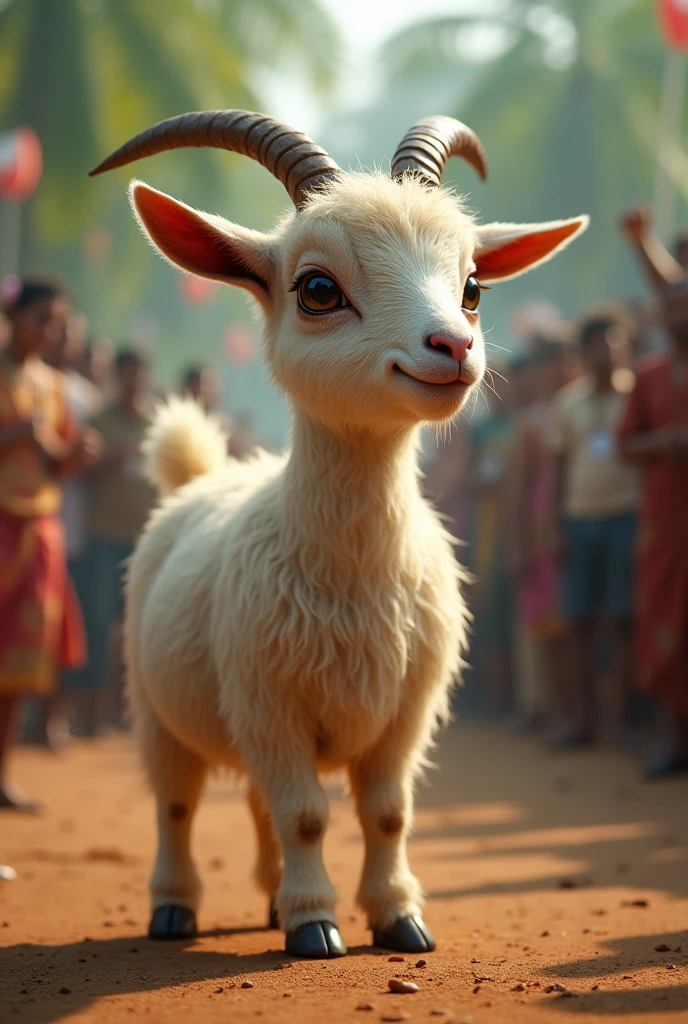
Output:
x=457 y=348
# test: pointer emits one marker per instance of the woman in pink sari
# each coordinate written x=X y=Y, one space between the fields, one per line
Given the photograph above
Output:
x=40 y=623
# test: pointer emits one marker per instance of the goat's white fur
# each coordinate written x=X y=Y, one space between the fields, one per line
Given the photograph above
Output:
x=298 y=613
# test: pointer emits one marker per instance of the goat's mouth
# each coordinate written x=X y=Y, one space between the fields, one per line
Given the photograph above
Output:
x=461 y=380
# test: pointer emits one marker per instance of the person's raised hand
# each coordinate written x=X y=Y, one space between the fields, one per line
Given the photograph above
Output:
x=636 y=223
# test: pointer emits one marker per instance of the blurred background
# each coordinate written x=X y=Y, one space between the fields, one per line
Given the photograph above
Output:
x=565 y=95
x=580 y=105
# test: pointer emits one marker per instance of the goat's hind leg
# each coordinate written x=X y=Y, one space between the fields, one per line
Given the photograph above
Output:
x=268 y=870
x=177 y=775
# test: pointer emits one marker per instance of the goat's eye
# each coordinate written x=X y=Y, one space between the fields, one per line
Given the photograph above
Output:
x=471 y=294
x=320 y=294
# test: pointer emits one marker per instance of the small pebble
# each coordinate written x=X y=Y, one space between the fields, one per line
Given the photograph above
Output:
x=134 y=949
x=394 y=1016
x=247 y=984
x=64 y=991
x=568 y=883
x=286 y=995
x=365 y=1007
x=7 y=874
x=218 y=990
x=677 y=950
x=594 y=988
x=635 y=903
x=395 y=959
x=555 y=988
x=662 y=948
x=520 y=987
x=421 y=963
x=544 y=935
x=476 y=990
x=671 y=967
x=402 y=987
x=439 y=1013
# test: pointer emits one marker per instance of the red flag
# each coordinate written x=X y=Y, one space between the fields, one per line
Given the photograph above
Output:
x=21 y=163
x=673 y=22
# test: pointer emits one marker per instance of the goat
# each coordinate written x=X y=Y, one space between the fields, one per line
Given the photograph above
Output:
x=299 y=614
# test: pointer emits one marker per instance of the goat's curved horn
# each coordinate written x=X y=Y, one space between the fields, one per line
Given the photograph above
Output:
x=427 y=146
x=291 y=156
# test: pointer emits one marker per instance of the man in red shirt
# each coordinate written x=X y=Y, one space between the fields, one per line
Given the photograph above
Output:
x=654 y=434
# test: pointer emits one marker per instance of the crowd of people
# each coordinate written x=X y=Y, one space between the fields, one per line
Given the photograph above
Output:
x=73 y=500
x=573 y=491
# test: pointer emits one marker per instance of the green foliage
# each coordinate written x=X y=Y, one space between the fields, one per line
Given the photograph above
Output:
x=87 y=75
x=567 y=110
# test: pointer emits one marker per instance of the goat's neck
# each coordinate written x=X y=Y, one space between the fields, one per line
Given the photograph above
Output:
x=349 y=494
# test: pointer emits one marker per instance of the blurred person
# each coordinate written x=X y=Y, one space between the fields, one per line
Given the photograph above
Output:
x=595 y=501
x=41 y=629
x=445 y=473
x=661 y=268
x=203 y=385
x=654 y=435
x=484 y=483
x=84 y=399
x=533 y=566
x=120 y=501
x=96 y=364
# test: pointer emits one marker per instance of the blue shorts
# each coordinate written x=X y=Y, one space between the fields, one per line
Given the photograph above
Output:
x=598 y=576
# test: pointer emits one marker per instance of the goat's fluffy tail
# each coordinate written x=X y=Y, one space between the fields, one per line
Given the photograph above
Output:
x=182 y=443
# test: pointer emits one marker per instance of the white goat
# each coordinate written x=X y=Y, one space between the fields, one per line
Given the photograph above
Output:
x=303 y=613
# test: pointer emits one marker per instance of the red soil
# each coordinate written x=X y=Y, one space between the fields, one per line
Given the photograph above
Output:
x=541 y=871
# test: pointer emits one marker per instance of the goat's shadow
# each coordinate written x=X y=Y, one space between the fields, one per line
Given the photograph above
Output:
x=48 y=983
x=625 y=958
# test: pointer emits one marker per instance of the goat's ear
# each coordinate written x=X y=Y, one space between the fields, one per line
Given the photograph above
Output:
x=203 y=244
x=507 y=250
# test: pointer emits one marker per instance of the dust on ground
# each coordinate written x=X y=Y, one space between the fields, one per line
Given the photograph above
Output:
x=557 y=890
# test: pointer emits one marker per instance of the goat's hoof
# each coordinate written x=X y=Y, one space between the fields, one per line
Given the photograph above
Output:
x=406 y=935
x=318 y=940
x=172 y=922
x=273 y=918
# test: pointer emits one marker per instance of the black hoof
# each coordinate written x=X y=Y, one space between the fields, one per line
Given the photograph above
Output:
x=407 y=935
x=273 y=918
x=172 y=922
x=318 y=940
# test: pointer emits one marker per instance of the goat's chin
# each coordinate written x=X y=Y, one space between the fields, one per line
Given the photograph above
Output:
x=433 y=403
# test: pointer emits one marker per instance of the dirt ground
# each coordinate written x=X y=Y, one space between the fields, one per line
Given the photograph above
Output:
x=541 y=871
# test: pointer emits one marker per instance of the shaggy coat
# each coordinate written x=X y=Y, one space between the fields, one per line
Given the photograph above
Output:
x=297 y=614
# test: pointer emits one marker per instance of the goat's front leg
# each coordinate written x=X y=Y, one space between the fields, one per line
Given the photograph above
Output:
x=298 y=803
x=389 y=893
